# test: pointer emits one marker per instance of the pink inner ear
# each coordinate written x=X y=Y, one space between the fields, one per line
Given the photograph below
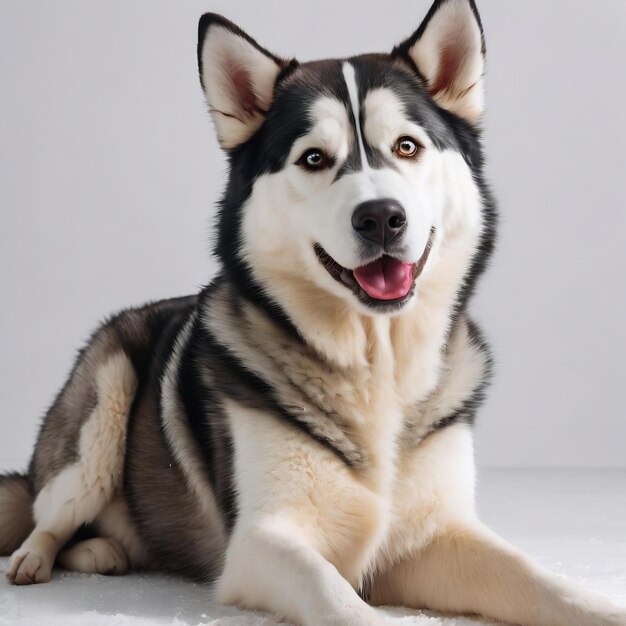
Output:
x=450 y=64
x=243 y=90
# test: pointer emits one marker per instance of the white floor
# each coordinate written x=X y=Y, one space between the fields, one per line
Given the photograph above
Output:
x=572 y=522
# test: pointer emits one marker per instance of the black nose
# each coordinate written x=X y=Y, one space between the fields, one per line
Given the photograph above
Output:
x=379 y=221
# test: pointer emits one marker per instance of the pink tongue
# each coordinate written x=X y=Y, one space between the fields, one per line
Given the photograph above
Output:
x=386 y=278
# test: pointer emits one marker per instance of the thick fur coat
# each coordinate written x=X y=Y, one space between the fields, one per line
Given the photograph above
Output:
x=300 y=431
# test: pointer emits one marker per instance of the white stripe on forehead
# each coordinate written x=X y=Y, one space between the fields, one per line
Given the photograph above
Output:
x=349 y=76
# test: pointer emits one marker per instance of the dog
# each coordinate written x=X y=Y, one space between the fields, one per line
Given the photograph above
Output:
x=300 y=431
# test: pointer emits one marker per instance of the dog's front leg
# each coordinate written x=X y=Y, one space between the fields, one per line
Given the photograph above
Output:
x=469 y=569
x=272 y=565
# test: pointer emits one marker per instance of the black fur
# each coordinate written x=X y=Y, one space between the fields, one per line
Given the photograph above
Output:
x=206 y=421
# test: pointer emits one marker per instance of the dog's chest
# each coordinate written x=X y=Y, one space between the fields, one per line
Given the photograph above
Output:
x=358 y=510
x=393 y=501
x=342 y=491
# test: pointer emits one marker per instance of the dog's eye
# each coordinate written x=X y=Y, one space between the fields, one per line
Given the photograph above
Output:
x=407 y=148
x=314 y=160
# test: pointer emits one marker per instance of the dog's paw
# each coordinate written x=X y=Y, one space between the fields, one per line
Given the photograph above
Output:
x=28 y=566
x=597 y=610
x=95 y=556
x=611 y=619
x=615 y=618
x=355 y=616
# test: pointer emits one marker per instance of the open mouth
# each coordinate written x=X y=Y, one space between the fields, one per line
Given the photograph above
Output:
x=384 y=283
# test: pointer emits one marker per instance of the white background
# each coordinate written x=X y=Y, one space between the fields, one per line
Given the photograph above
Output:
x=109 y=171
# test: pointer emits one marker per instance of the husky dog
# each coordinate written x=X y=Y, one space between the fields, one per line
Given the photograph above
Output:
x=301 y=430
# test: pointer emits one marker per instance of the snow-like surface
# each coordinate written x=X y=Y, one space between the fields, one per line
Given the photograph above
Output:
x=573 y=522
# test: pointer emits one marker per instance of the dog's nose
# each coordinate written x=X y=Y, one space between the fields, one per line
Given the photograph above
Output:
x=379 y=221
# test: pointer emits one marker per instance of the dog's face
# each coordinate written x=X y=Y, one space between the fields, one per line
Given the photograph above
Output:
x=345 y=174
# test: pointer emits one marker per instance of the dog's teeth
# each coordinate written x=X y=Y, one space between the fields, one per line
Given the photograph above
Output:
x=345 y=276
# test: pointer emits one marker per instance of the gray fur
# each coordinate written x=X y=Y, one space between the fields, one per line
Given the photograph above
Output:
x=16 y=519
x=131 y=331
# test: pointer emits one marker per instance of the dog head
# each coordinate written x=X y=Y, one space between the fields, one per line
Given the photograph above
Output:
x=346 y=175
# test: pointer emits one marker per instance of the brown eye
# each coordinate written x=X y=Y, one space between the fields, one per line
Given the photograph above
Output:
x=406 y=148
x=314 y=160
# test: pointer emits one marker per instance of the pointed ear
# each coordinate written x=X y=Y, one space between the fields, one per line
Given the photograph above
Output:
x=448 y=50
x=237 y=76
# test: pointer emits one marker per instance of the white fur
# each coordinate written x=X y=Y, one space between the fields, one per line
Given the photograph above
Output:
x=114 y=523
x=272 y=565
x=98 y=555
x=293 y=549
x=438 y=555
x=309 y=529
x=82 y=490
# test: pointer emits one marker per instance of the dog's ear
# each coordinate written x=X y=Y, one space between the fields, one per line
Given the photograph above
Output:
x=237 y=76
x=448 y=50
